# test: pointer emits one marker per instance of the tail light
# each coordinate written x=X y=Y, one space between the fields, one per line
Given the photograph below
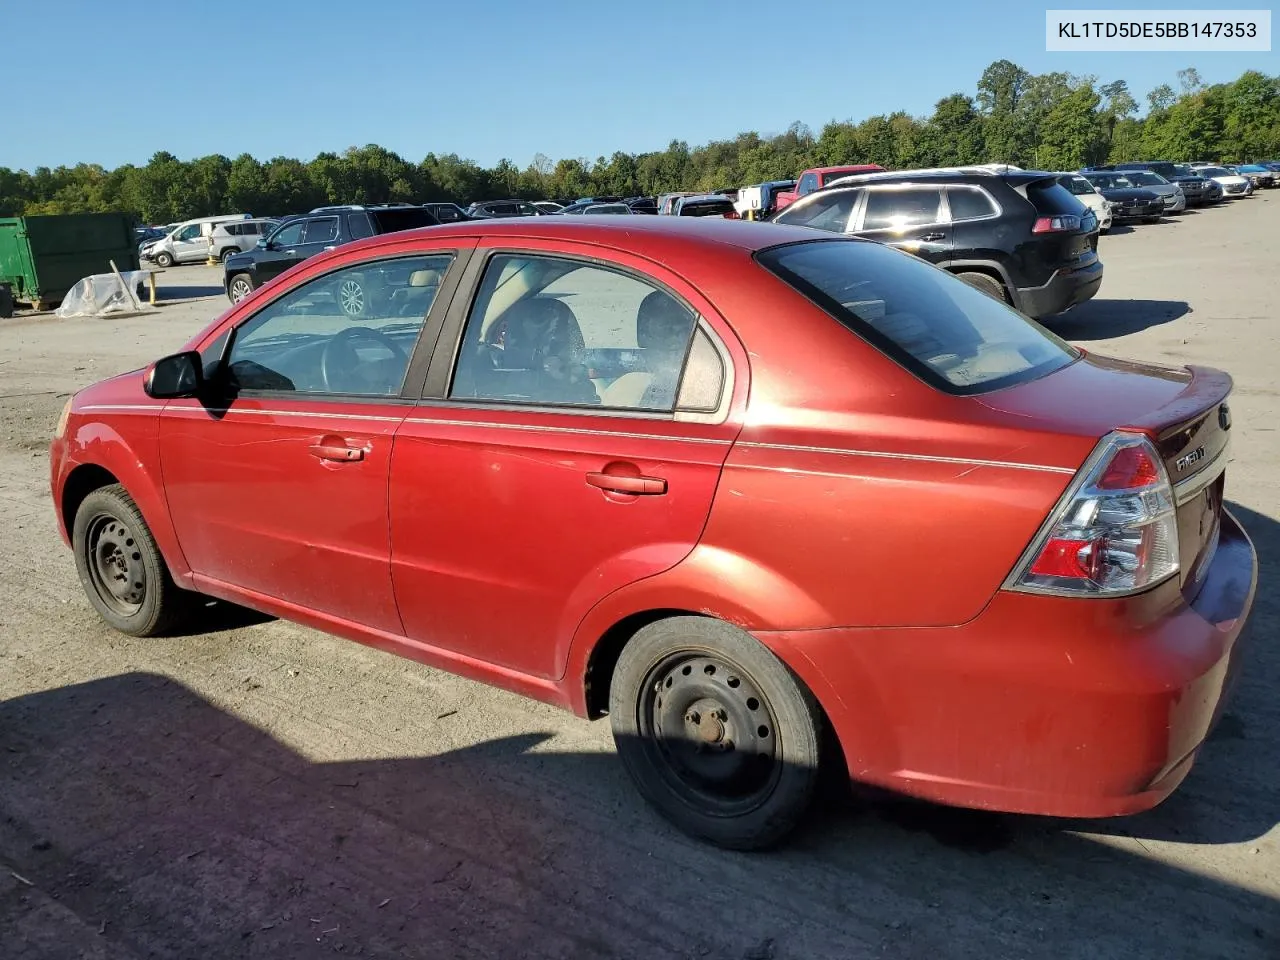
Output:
x=1114 y=532
x=1066 y=223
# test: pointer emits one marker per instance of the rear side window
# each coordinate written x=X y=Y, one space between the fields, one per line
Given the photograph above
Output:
x=320 y=231
x=895 y=208
x=1052 y=199
x=941 y=329
x=970 y=204
x=823 y=211
x=359 y=225
x=403 y=218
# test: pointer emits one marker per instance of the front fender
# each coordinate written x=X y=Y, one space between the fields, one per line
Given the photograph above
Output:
x=132 y=456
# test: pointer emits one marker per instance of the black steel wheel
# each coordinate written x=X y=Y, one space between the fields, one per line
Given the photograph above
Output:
x=715 y=731
x=121 y=568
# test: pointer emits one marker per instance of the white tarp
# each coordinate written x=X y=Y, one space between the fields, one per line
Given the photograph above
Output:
x=102 y=295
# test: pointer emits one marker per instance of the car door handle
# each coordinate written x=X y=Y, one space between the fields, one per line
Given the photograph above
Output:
x=933 y=237
x=615 y=483
x=336 y=452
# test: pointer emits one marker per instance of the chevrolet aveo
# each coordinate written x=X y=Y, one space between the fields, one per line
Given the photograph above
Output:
x=743 y=488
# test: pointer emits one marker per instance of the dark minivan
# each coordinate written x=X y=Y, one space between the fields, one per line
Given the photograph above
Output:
x=1018 y=235
x=301 y=237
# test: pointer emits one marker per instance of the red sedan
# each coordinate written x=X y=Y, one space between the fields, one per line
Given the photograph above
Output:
x=730 y=484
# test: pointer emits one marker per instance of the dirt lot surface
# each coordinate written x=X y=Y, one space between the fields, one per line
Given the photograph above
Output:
x=262 y=790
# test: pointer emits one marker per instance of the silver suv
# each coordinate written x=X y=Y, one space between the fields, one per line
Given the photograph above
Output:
x=239 y=236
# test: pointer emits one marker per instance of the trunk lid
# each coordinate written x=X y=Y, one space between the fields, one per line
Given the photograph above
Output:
x=1184 y=411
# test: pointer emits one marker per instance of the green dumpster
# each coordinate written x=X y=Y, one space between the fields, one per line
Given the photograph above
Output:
x=41 y=258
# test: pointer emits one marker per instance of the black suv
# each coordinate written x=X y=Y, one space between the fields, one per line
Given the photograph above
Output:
x=1199 y=190
x=1018 y=235
x=301 y=237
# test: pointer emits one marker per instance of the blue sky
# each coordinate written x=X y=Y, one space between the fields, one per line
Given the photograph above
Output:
x=113 y=83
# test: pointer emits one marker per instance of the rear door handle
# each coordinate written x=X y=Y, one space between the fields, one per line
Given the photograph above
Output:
x=933 y=237
x=641 y=486
x=335 y=452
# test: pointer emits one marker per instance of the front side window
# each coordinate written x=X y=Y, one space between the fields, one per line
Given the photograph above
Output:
x=347 y=332
x=553 y=332
x=322 y=230
x=189 y=233
x=829 y=210
x=948 y=333
x=891 y=208
x=288 y=235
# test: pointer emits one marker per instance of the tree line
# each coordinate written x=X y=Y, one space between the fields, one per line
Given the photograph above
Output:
x=1040 y=121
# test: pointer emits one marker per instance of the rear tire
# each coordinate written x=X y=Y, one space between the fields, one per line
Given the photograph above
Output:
x=987 y=284
x=122 y=569
x=715 y=732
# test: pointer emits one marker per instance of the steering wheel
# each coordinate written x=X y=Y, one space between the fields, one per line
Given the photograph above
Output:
x=340 y=364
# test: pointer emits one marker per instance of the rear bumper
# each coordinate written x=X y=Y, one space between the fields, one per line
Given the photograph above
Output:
x=1041 y=705
x=1065 y=289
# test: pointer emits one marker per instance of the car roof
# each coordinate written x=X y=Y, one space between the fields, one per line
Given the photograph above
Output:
x=647 y=236
x=943 y=174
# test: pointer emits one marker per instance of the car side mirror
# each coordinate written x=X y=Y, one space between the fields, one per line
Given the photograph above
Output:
x=175 y=376
x=263 y=243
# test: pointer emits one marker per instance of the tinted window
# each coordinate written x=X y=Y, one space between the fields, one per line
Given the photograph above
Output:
x=403 y=218
x=942 y=329
x=320 y=230
x=447 y=213
x=896 y=208
x=823 y=211
x=359 y=226
x=559 y=332
x=348 y=332
x=289 y=234
x=1051 y=199
x=808 y=183
x=970 y=204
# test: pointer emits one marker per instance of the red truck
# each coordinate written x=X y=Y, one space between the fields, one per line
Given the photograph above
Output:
x=817 y=177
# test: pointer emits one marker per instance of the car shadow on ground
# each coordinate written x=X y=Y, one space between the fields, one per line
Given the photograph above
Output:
x=1102 y=319
x=171 y=293
x=169 y=827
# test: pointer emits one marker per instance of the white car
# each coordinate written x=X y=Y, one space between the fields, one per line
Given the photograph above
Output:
x=1233 y=185
x=1090 y=196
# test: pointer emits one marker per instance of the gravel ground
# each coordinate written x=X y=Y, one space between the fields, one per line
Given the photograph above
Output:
x=262 y=790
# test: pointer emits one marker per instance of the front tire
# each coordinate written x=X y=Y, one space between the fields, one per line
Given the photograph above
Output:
x=715 y=732
x=121 y=567
x=164 y=259
x=241 y=286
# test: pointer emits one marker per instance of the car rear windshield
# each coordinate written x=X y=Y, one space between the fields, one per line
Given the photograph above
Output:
x=408 y=218
x=1051 y=198
x=948 y=333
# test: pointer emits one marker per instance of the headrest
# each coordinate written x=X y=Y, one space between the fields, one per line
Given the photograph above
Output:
x=424 y=278
x=662 y=323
